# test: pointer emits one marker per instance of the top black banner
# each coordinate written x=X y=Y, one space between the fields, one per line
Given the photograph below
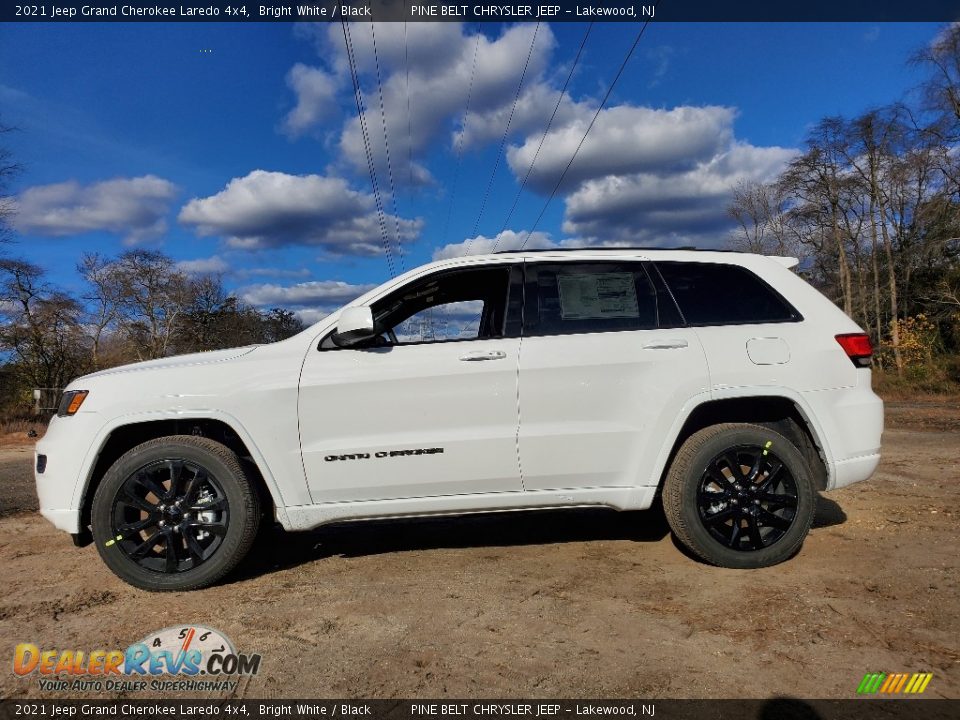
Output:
x=533 y=11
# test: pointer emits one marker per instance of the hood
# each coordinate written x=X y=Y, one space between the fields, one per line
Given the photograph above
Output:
x=200 y=358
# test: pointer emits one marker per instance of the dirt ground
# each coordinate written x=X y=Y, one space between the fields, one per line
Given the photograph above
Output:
x=562 y=604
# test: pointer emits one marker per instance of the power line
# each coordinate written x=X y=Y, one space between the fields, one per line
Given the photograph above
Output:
x=466 y=119
x=573 y=157
x=503 y=140
x=546 y=130
x=386 y=145
x=351 y=58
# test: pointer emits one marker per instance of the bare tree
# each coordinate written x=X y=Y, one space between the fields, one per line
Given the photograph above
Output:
x=941 y=90
x=103 y=301
x=153 y=294
x=41 y=328
x=875 y=138
x=819 y=185
x=9 y=169
x=761 y=212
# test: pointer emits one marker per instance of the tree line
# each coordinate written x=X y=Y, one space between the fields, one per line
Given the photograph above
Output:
x=871 y=205
x=137 y=306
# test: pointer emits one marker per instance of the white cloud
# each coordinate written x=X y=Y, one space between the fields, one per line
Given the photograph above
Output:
x=316 y=92
x=273 y=209
x=322 y=293
x=439 y=58
x=506 y=240
x=310 y=316
x=310 y=301
x=273 y=272
x=202 y=266
x=650 y=175
x=625 y=139
x=659 y=58
x=681 y=208
x=533 y=109
x=133 y=208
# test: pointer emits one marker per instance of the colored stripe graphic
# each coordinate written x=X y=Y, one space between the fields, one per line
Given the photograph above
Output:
x=903 y=679
x=893 y=683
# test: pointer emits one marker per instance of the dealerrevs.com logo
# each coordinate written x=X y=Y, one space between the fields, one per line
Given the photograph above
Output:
x=183 y=657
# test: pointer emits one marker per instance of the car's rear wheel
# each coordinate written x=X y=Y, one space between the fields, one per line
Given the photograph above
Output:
x=739 y=496
x=175 y=513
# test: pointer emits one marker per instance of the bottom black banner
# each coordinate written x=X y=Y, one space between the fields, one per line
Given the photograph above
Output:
x=782 y=708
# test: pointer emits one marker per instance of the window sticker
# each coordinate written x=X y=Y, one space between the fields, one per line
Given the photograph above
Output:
x=598 y=295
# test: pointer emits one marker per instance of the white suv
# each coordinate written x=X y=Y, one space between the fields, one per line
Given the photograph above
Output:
x=721 y=381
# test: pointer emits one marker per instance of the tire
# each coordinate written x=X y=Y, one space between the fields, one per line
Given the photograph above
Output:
x=161 y=535
x=757 y=519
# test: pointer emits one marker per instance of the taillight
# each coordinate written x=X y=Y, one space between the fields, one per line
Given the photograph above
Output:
x=857 y=347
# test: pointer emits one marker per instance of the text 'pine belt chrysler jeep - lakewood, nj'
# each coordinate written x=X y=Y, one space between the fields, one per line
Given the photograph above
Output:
x=721 y=382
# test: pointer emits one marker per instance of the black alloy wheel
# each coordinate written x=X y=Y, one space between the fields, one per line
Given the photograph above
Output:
x=739 y=496
x=175 y=513
x=170 y=516
x=747 y=498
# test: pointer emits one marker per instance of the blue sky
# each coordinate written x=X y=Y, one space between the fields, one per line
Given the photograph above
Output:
x=248 y=159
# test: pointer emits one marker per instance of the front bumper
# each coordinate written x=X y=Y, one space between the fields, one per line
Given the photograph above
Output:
x=69 y=447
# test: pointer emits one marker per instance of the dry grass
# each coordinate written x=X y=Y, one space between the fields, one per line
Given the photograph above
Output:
x=932 y=384
x=17 y=431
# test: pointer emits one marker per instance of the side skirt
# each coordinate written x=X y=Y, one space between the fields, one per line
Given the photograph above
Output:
x=307 y=517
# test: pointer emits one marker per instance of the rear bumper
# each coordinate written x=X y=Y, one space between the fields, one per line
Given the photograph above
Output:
x=851 y=427
x=853 y=470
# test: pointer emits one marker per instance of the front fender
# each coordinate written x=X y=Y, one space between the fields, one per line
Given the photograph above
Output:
x=281 y=497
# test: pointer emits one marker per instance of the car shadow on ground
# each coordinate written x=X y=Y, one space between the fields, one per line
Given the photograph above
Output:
x=827 y=513
x=506 y=529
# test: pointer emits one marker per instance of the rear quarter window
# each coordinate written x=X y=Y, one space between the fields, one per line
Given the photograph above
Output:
x=719 y=294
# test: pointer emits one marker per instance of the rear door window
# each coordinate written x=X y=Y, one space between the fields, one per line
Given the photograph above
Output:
x=566 y=298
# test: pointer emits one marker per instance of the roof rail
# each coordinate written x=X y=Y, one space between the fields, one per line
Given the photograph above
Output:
x=616 y=249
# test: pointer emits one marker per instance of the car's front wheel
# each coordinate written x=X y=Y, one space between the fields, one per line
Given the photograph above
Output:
x=739 y=496
x=175 y=513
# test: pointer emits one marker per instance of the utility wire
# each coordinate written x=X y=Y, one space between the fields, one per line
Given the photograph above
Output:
x=503 y=141
x=466 y=119
x=573 y=157
x=351 y=58
x=386 y=145
x=546 y=130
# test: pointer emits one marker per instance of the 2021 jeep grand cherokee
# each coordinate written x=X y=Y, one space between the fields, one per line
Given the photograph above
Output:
x=722 y=381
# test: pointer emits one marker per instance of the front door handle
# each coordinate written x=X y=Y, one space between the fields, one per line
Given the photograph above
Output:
x=666 y=344
x=478 y=355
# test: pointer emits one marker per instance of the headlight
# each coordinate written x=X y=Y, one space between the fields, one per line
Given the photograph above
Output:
x=71 y=402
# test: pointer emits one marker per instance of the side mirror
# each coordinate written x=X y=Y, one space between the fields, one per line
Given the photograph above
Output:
x=354 y=326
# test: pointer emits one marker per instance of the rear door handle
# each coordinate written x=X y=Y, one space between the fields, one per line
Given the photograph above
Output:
x=478 y=355
x=666 y=344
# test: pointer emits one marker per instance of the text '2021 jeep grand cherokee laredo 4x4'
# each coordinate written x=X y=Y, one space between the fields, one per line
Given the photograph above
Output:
x=500 y=382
